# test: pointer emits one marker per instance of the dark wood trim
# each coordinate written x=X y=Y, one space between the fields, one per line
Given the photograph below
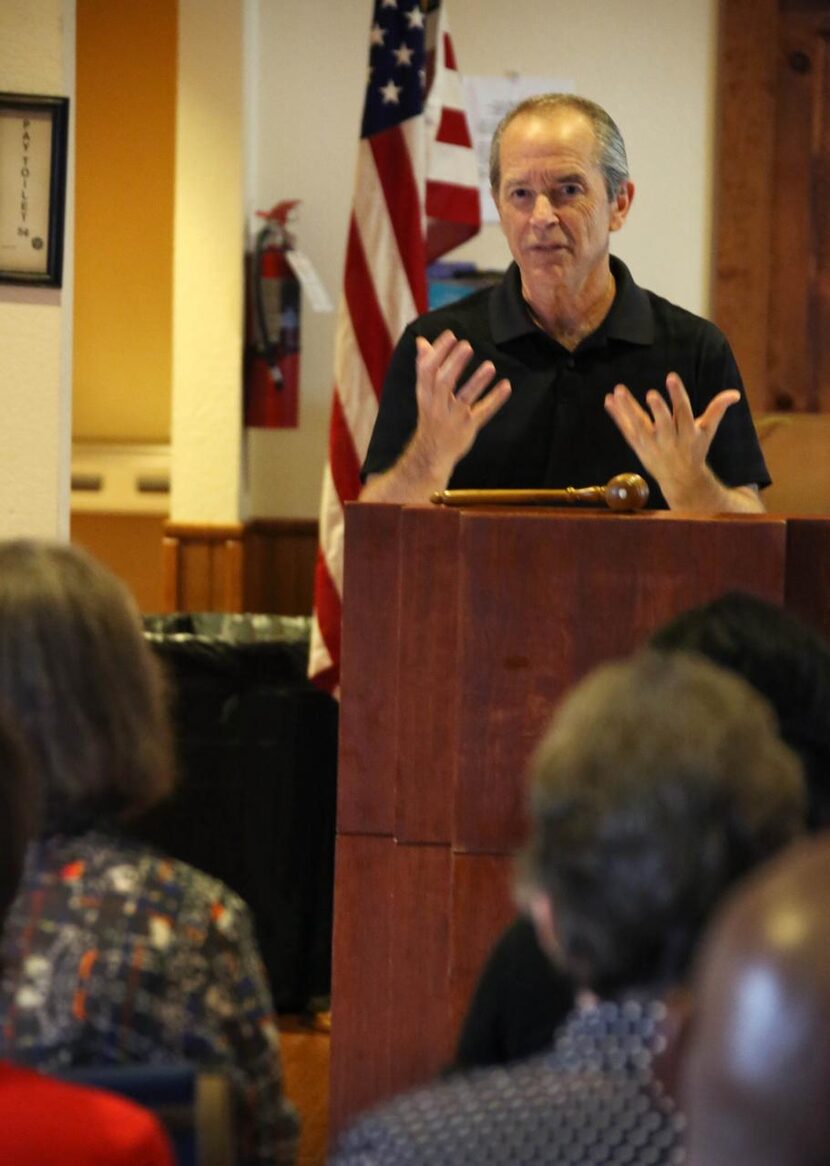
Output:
x=266 y=564
x=743 y=191
x=282 y=526
x=203 y=567
x=280 y=554
x=204 y=531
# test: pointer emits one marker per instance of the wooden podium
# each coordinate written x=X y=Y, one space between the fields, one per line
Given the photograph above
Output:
x=462 y=629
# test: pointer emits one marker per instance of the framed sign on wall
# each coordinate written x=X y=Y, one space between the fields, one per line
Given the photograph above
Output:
x=33 y=145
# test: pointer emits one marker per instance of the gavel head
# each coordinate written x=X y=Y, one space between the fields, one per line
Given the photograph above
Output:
x=626 y=492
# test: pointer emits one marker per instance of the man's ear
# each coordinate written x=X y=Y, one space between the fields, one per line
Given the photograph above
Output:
x=540 y=908
x=621 y=205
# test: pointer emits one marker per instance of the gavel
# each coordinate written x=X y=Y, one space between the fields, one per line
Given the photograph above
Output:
x=622 y=492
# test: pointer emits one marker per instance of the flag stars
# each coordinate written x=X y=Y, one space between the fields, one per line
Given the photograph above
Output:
x=390 y=93
x=415 y=17
x=389 y=4
x=403 y=56
x=376 y=35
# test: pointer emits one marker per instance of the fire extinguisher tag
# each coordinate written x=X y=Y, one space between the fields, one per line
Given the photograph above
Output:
x=318 y=298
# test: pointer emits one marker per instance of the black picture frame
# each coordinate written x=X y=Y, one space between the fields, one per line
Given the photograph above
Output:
x=34 y=133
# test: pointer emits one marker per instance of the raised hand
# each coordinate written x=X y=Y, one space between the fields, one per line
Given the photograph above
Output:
x=449 y=420
x=673 y=444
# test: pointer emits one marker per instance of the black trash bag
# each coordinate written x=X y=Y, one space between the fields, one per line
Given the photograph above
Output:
x=255 y=801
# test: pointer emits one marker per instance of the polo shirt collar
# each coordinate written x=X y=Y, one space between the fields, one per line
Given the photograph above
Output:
x=630 y=318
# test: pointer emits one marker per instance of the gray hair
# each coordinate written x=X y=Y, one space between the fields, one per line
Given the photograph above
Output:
x=611 y=155
x=661 y=780
x=82 y=685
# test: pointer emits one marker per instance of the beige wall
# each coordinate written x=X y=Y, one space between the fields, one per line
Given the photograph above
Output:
x=651 y=64
x=126 y=102
x=37 y=56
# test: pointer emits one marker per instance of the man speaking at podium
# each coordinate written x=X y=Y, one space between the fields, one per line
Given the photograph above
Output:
x=565 y=373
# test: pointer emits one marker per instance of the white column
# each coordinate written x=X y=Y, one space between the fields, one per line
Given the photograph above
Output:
x=208 y=264
x=37 y=56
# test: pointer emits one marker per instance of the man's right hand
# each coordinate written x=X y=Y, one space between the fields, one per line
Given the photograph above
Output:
x=448 y=421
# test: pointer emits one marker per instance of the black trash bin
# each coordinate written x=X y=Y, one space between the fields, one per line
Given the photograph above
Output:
x=255 y=802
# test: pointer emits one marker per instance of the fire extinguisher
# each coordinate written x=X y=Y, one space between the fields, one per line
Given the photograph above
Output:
x=272 y=331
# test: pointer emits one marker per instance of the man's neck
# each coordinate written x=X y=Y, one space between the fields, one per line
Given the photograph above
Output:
x=569 y=316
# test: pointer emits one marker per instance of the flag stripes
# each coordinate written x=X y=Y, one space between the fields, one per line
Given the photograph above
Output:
x=415 y=197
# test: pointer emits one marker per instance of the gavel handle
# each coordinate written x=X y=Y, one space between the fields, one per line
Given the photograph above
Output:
x=518 y=497
x=623 y=492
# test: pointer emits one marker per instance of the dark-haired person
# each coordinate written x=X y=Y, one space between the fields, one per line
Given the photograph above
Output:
x=43 y=1120
x=784 y=659
x=661 y=781
x=520 y=998
x=113 y=952
x=566 y=372
x=758 y=1074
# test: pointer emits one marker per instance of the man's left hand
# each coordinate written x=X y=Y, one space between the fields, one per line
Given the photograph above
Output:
x=672 y=445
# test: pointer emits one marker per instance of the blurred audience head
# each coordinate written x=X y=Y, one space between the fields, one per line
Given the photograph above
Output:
x=83 y=686
x=758 y=1074
x=783 y=659
x=16 y=814
x=661 y=781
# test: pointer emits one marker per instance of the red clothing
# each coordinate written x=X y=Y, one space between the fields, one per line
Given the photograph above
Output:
x=43 y=1120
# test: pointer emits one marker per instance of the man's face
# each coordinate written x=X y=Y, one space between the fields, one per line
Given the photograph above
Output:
x=553 y=204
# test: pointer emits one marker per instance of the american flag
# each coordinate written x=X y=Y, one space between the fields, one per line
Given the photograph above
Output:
x=415 y=198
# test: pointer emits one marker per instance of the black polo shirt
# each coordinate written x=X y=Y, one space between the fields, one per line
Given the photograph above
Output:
x=554 y=431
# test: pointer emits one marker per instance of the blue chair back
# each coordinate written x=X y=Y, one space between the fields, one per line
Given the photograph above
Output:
x=194 y=1106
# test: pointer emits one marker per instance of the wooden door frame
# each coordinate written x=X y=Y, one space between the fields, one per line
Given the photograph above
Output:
x=743 y=190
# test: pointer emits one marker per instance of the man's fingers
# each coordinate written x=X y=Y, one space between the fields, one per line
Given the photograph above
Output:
x=628 y=414
x=713 y=414
x=430 y=357
x=684 y=418
x=472 y=389
x=438 y=348
x=664 y=420
x=439 y=365
x=483 y=410
x=455 y=362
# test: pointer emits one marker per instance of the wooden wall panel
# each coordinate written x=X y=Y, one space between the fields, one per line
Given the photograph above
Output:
x=130 y=545
x=744 y=196
x=796 y=342
x=126 y=79
x=203 y=567
x=279 y=565
x=262 y=566
x=797 y=451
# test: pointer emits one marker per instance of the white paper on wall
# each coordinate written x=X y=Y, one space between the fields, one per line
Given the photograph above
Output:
x=487 y=100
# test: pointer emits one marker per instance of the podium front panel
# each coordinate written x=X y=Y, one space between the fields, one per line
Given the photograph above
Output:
x=808 y=571
x=543 y=600
x=462 y=630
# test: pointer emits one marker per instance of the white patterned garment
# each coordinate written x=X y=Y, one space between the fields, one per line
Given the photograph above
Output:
x=591 y=1101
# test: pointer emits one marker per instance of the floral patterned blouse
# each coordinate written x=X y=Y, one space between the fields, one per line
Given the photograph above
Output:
x=114 y=953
